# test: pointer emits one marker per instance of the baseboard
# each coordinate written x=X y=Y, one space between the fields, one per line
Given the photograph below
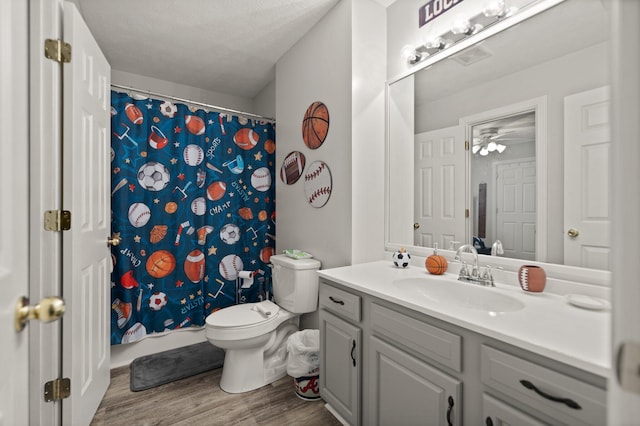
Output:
x=336 y=415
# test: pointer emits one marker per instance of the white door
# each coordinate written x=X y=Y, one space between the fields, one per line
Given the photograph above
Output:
x=86 y=257
x=516 y=208
x=587 y=146
x=439 y=207
x=14 y=193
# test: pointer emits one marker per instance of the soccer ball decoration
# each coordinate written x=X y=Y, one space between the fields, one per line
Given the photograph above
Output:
x=157 y=301
x=401 y=258
x=230 y=233
x=153 y=176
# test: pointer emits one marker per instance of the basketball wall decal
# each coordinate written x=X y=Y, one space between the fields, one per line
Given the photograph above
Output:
x=195 y=124
x=246 y=138
x=194 y=266
x=133 y=113
x=216 y=190
x=315 y=125
x=160 y=263
x=292 y=167
x=317 y=184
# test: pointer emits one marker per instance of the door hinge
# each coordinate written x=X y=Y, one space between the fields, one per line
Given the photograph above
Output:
x=57 y=389
x=466 y=145
x=466 y=213
x=57 y=50
x=57 y=220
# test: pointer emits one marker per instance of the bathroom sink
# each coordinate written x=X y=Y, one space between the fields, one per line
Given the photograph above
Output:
x=465 y=295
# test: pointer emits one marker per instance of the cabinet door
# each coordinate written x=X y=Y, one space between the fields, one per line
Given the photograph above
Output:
x=340 y=344
x=497 y=413
x=408 y=391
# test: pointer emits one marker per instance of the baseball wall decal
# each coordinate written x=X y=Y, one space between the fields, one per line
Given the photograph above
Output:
x=317 y=184
x=292 y=167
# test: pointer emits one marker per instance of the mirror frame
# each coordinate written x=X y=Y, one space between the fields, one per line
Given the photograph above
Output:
x=554 y=271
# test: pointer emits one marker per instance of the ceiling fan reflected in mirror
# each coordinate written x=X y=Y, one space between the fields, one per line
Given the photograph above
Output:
x=495 y=136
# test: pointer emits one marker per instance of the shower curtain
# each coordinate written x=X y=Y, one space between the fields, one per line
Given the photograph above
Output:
x=193 y=202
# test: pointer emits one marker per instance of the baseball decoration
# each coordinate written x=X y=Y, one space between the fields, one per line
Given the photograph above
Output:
x=139 y=215
x=246 y=138
x=195 y=124
x=160 y=263
x=134 y=114
x=168 y=109
x=134 y=333
x=157 y=301
x=401 y=258
x=315 y=125
x=436 y=264
x=261 y=179
x=292 y=167
x=199 y=206
x=230 y=233
x=317 y=184
x=230 y=266
x=216 y=190
x=194 y=266
x=157 y=139
x=193 y=155
x=153 y=176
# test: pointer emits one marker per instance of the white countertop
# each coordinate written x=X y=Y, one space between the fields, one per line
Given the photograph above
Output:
x=548 y=325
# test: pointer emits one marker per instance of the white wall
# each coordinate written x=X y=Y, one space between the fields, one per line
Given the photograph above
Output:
x=264 y=103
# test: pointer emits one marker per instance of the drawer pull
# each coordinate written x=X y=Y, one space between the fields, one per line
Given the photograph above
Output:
x=334 y=300
x=449 y=410
x=353 y=357
x=488 y=421
x=568 y=402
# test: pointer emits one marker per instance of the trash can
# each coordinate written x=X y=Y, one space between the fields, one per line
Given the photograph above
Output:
x=303 y=363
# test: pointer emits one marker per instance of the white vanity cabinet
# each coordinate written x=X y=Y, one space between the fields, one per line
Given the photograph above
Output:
x=340 y=352
x=383 y=363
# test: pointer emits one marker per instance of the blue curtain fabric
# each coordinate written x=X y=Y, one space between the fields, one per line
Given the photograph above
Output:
x=193 y=201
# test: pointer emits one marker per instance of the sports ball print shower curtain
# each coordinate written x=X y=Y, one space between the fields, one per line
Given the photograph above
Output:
x=193 y=203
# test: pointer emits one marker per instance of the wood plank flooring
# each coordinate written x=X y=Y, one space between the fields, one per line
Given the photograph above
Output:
x=198 y=400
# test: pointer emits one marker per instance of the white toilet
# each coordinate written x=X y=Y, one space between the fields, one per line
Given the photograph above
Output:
x=254 y=335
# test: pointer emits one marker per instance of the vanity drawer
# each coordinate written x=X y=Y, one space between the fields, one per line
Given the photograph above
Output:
x=433 y=342
x=564 y=398
x=340 y=302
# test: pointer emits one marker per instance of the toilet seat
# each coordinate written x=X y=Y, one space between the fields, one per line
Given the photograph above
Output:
x=246 y=320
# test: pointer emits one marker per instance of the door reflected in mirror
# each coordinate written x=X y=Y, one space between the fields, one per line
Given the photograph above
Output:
x=524 y=178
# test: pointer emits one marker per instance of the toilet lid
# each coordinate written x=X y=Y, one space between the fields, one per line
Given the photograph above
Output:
x=244 y=314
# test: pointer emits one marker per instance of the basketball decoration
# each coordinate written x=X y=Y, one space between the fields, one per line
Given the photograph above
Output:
x=194 y=266
x=246 y=138
x=134 y=114
x=269 y=146
x=195 y=124
x=315 y=125
x=262 y=215
x=401 y=258
x=160 y=263
x=317 y=184
x=216 y=190
x=292 y=167
x=436 y=264
x=171 y=207
x=245 y=213
x=265 y=254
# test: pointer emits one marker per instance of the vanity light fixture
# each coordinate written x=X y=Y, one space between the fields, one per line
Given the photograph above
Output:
x=437 y=43
x=412 y=55
x=464 y=26
x=498 y=9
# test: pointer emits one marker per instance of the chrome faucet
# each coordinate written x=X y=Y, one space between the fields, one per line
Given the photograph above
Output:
x=485 y=279
x=496 y=248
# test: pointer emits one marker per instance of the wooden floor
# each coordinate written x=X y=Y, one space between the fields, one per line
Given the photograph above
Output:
x=198 y=400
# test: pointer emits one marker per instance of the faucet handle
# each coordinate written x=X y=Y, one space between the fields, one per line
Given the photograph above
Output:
x=464 y=271
x=487 y=277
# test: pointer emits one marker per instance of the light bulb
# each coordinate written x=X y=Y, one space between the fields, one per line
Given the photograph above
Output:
x=464 y=26
x=436 y=43
x=492 y=146
x=475 y=149
x=495 y=8
x=410 y=54
x=484 y=151
x=500 y=148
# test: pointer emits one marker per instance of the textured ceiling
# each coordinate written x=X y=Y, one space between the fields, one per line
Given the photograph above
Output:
x=228 y=46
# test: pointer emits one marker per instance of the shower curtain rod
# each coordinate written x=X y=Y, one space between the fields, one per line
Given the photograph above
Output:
x=187 y=101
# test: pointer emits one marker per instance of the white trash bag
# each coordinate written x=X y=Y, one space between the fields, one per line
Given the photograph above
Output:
x=303 y=348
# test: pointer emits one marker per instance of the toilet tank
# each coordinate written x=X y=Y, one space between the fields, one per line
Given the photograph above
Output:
x=295 y=283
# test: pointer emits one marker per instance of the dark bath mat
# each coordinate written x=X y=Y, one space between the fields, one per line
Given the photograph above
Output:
x=168 y=366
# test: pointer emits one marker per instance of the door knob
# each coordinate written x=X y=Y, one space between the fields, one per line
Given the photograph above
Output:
x=416 y=225
x=114 y=240
x=573 y=233
x=49 y=309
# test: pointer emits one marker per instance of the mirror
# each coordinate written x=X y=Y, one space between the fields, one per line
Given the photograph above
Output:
x=528 y=91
